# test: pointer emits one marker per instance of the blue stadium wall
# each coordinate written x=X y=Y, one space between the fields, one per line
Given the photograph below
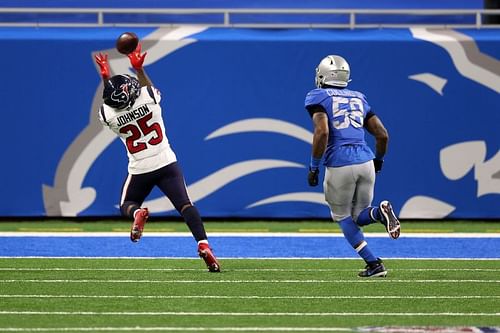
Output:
x=339 y=4
x=233 y=106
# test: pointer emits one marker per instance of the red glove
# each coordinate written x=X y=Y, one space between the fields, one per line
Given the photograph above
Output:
x=102 y=60
x=136 y=59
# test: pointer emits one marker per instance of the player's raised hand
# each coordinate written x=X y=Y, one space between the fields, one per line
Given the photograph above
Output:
x=136 y=58
x=102 y=60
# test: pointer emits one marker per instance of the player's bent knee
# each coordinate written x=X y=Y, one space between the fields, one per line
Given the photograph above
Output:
x=190 y=212
x=184 y=207
x=338 y=217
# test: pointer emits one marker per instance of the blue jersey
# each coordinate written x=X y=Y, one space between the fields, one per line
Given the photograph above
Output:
x=346 y=110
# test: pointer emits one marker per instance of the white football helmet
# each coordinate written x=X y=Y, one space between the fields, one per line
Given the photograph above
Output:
x=333 y=70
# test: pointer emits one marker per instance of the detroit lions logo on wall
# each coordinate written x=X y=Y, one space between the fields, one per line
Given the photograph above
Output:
x=245 y=154
x=68 y=198
x=459 y=159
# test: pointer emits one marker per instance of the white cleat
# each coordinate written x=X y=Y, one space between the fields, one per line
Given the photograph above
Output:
x=389 y=219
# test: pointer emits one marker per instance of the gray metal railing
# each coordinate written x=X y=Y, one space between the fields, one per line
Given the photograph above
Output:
x=227 y=15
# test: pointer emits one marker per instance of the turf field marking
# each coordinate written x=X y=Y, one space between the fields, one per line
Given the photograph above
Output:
x=246 y=297
x=36 y=269
x=179 y=329
x=248 y=314
x=246 y=281
x=242 y=258
x=247 y=234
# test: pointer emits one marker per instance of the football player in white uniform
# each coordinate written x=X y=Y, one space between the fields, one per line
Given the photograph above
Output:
x=340 y=117
x=132 y=111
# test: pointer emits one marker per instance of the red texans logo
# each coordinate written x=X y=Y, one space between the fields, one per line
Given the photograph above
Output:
x=122 y=94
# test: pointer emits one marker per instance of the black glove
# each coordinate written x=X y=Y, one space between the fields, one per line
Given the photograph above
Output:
x=378 y=164
x=312 y=177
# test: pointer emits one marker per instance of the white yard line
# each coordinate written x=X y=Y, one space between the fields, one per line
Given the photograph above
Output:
x=64 y=269
x=243 y=281
x=177 y=329
x=247 y=314
x=242 y=234
x=245 y=258
x=245 y=297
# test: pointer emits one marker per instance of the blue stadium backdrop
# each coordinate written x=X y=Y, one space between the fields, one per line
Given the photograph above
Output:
x=233 y=106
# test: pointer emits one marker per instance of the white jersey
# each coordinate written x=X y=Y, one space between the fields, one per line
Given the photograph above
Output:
x=141 y=129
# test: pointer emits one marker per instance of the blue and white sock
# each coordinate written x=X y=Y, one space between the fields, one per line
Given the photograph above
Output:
x=365 y=253
x=369 y=215
x=355 y=237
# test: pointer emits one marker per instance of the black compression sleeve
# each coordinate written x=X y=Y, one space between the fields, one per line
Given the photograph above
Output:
x=312 y=109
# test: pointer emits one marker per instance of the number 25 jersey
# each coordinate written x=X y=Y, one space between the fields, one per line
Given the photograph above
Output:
x=141 y=129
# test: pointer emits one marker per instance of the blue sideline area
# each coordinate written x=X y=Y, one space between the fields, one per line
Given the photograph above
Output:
x=248 y=247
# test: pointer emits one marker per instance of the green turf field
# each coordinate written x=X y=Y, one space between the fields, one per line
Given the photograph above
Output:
x=250 y=295
x=247 y=226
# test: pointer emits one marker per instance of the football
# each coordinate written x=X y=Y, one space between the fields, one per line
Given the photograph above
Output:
x=127 y=42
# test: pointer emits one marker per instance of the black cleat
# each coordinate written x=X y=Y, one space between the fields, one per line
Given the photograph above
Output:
x=374 y=269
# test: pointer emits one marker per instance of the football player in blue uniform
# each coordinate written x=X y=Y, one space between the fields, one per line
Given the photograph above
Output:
x=340 y=117
x=132 y=111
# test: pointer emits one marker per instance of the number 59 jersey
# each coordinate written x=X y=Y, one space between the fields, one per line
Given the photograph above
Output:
x=141 y=129
x=346 y=110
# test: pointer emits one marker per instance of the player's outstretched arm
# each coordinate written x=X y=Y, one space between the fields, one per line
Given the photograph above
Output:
x=137 y=61
x=102 y=60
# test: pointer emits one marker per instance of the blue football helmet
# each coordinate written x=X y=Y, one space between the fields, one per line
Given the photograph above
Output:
x=121 y=91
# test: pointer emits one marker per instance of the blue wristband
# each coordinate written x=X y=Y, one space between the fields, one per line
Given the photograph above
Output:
x=315 y=163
